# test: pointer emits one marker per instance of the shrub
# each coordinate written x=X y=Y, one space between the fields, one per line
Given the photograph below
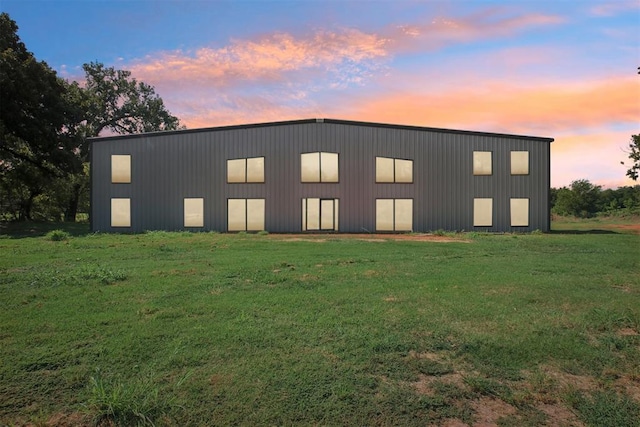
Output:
x=57 y=235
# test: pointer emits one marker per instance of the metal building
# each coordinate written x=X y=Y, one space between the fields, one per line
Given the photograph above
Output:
x=320 y=175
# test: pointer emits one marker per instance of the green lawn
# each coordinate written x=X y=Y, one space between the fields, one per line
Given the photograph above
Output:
x=214 y=329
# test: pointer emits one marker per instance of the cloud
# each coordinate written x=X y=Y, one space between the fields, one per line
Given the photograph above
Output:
x=509 y=107
x=614 y=8
x=347 y=54
x=341 y=58
x=441 y=32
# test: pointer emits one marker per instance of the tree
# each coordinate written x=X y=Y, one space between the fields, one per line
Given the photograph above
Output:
x=112 y=101
x=582 y=199
x=33 y=114
x=634 y=156
x=45 y=122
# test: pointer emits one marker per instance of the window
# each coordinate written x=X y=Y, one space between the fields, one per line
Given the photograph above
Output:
x=394 y=170
x=249 y=170
x=519 y=163
x=394 y=214
x=121 y=212
x=121 y=169
x=519 y=212
x=482 y=212
x=194 y=212
x=482 y=163
x=245 y=214
x=319 y=214
x=319 y=167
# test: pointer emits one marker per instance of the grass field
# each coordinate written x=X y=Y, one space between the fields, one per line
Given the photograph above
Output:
x=213 y=329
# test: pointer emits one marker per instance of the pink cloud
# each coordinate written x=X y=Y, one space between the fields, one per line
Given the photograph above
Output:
x=441 y=32
x=343 y=57
x=269 y=58
x=500 y=106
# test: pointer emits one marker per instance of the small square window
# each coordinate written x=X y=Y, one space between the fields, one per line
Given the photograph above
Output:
x=482 y=163
x=121 y=212
x=482 y=212
x=194 y=212
x=519 y=163
x=121 y=169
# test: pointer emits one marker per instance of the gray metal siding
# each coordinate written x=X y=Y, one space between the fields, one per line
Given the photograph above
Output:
x=166 y=168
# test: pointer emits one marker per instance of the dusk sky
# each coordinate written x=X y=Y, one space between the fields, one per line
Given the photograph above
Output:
x=559 y=68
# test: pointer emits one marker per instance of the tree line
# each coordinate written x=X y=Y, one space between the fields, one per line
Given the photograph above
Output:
x=582 y=199
x=45 y=121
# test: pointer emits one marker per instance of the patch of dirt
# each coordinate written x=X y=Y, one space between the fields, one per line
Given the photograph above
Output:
x=630 y=386
x=635 y=228
x=565 y=380
x=627 y=332
x=489 y=411
x=560 y=416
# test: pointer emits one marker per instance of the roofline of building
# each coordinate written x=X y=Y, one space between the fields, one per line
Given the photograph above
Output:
x=332 y=121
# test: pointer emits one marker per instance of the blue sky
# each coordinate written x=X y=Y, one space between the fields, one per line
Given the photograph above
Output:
x=564 y=69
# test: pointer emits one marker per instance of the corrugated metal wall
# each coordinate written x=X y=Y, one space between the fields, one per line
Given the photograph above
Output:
x=166 y=168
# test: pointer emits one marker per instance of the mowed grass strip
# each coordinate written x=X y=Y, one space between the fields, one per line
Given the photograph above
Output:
x=213 y=329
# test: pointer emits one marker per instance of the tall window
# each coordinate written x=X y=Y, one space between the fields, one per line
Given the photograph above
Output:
x=519 y=212
x=394 y=170
x=249 y=170
x=121 y=169
x=482 y=212
x=194 y=212
x=319 y=167
x=394 y=214
x=482 y=163
x=245 y=214
x=121 y=212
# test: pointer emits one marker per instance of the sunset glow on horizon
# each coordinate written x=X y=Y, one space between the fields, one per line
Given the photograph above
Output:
x=565 y=70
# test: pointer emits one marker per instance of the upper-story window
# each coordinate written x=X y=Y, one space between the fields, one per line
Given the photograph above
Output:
x=319 y=167
x=519 y=163
x=394 y=170
x=249 y=170
x=121 y=169
x=482 y=164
